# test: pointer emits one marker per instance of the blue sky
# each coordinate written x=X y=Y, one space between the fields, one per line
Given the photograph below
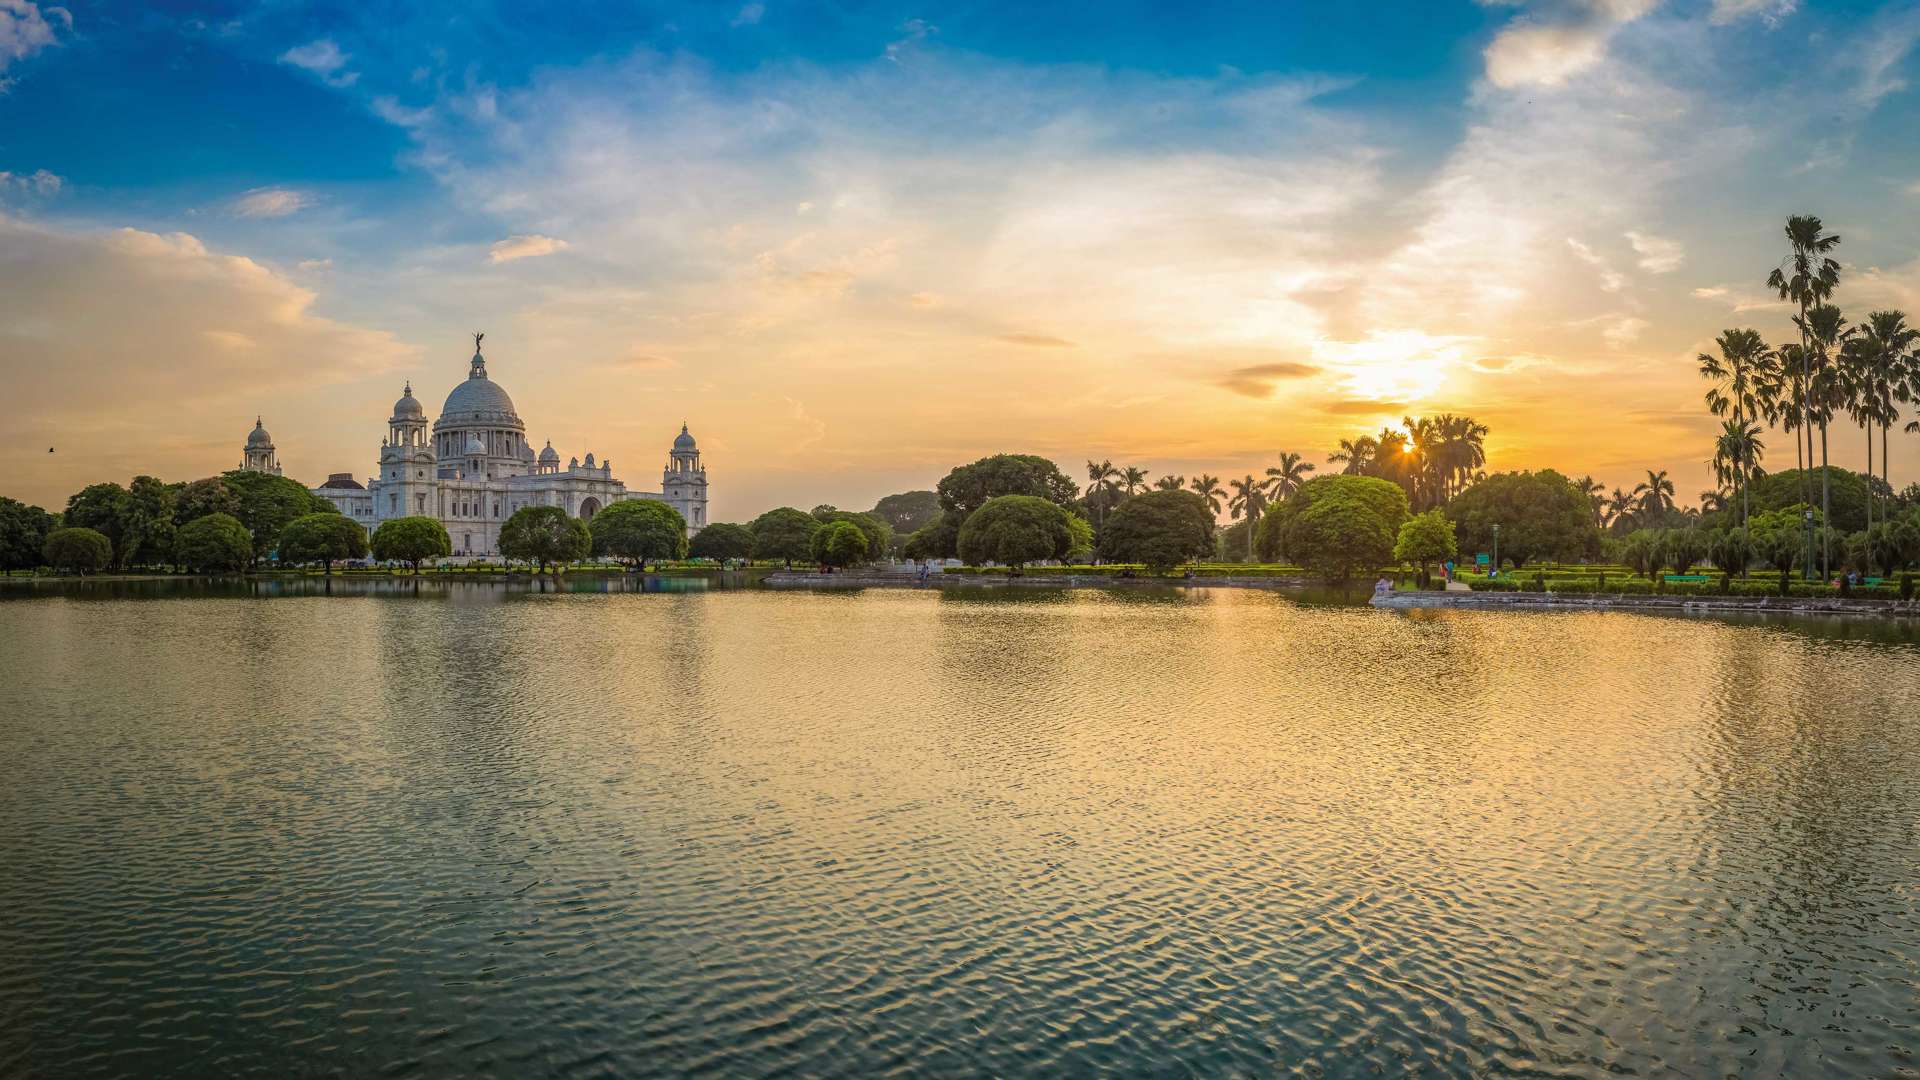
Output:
x=856 y=243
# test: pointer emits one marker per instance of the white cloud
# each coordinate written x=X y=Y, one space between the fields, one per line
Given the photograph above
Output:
x=1560 y=41
x=524 y=247
x=1890 y=38
x=1619 y=331
x=748 y=15
x=1611 y=280
x=39 y=182
x=1657 y=255
x=271 y=203
x=24 y=29
x=315 y=266
x=1771 y=12
x=323 y=58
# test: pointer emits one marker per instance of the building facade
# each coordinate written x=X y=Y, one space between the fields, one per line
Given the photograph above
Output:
x=473 y=466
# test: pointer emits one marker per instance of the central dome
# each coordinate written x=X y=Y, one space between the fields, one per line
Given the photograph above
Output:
x=478 y=398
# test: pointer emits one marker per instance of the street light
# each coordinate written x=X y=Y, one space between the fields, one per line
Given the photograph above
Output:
x=1496 y=551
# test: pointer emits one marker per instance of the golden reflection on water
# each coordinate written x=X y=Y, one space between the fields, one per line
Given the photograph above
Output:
x=980 y=831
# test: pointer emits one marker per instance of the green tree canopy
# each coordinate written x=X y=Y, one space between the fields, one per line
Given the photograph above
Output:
x=1336 y=525
x=411 y=540
x=640 y=531
x=214 y=544
x=908 y=511
x=104 y=508
x=1542 y=515
x=198 y=498
x=1016 y=530
x=1162 y=529
x=968 y=487
x=149 y=521
x=23 y=534
x=879 y=535
x=1847 y=494
x=785 y=534
x=322 y=538
x=839 y=543
x=721 y=540
x=1425 y=538
x=269 y=503
x=937 y=539
x=545 y=536
x=77 y=549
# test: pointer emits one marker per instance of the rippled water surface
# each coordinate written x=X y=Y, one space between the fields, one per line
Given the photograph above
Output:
x=899 y=832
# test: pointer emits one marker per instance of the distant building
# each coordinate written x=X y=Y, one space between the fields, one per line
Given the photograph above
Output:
x=475 y=467
x=259 y=455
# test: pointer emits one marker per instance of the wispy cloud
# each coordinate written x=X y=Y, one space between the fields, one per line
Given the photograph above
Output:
x=1044 y=341
x=748 y=15
x=524 y=247
x=25 y=30
x=39 y=182
x=1257 y=380
x=1657 y=254
x=1554 y=41
x=274 y=202
x=1611 y=280
x=322 y=58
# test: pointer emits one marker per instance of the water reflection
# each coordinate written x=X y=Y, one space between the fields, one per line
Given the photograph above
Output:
x=983 y=831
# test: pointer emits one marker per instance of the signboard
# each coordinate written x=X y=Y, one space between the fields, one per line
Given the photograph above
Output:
x=1481 y=559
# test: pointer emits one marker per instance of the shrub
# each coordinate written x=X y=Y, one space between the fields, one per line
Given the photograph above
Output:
x=77 y=550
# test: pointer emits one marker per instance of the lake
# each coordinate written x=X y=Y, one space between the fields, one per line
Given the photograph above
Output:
x=468 y=828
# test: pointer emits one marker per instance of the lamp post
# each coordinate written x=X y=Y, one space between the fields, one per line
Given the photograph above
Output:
x=1806 y=569
x=1496 y=550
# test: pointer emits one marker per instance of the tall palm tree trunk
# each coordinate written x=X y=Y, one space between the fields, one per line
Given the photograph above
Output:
x=1826 y=511
x=1868 y=428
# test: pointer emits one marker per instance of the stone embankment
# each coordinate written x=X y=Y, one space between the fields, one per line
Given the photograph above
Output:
x=1771 y=605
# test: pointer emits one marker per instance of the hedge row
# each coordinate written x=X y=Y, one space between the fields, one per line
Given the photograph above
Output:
x=1768 y=586
x=1116 y=569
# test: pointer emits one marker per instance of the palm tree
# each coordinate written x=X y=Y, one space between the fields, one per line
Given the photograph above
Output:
x=1357 y=453
x=1102 y=477
x=1807 y=276
x=1170 y=482
x=1283 y=481
x=1250 y=498
x=1736 y=450
x=1619 y=507
x=1655 y=494
x=1132 y=479
x=1208 y=488
x=1596 y=493
x=1885 y=357
x=1827 y=334
x=1455 y=446
x=1739 y=374
x=1713 y=502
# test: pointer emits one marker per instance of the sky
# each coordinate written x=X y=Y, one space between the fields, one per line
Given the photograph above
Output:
x=855 y=244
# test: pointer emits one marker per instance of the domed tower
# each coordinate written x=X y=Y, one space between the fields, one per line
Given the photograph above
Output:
x=259 y=455
x=405 y=486
x=478 y=431
x=685 y=481
x=549 y=459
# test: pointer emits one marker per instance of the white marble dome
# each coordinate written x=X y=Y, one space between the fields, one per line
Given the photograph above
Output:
x=549 y=456
x=683 y=441
x=477 y=398
x=259 y=438
x=408 y=406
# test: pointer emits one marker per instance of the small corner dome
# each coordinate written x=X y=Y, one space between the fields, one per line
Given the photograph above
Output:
x=408 y=405
x=259 y=436
x=683 y=441
x=475 y=445
x=549 y=456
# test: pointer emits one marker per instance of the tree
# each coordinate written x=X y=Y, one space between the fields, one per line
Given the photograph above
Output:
x=269 y=503
x=839 y=544
x=1541 y=515
x=724 y=540
x=785 y=534
x=1208 y=488
x=199 y=498
x=1336 y=525
x=1807 y=276
x=214 y=544
x=640 y=531
x=1160 y=529
x=1286 y=478
x=1249 y=498
x=322 y=538
x=1016 y=530
x=879 y=536
x=1170 y=482
x=1827 y=336
x=906 y=512
x=1733 y=551
x=77 y=549
x=1133 y=480
x=1425 y=538
x=23 y=535
x=149 y=521
x=1740 y=375
x=1884 y=362
x=938 y=539
x=104 y=508
x=1357 y=453
x=1103 y=487
x=411 y=540
x=1847 y=496
x=968 y=487
x=545 y=536
x=1655 y=494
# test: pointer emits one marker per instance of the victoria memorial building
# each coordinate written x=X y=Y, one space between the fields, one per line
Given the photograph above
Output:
x=474 y=466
